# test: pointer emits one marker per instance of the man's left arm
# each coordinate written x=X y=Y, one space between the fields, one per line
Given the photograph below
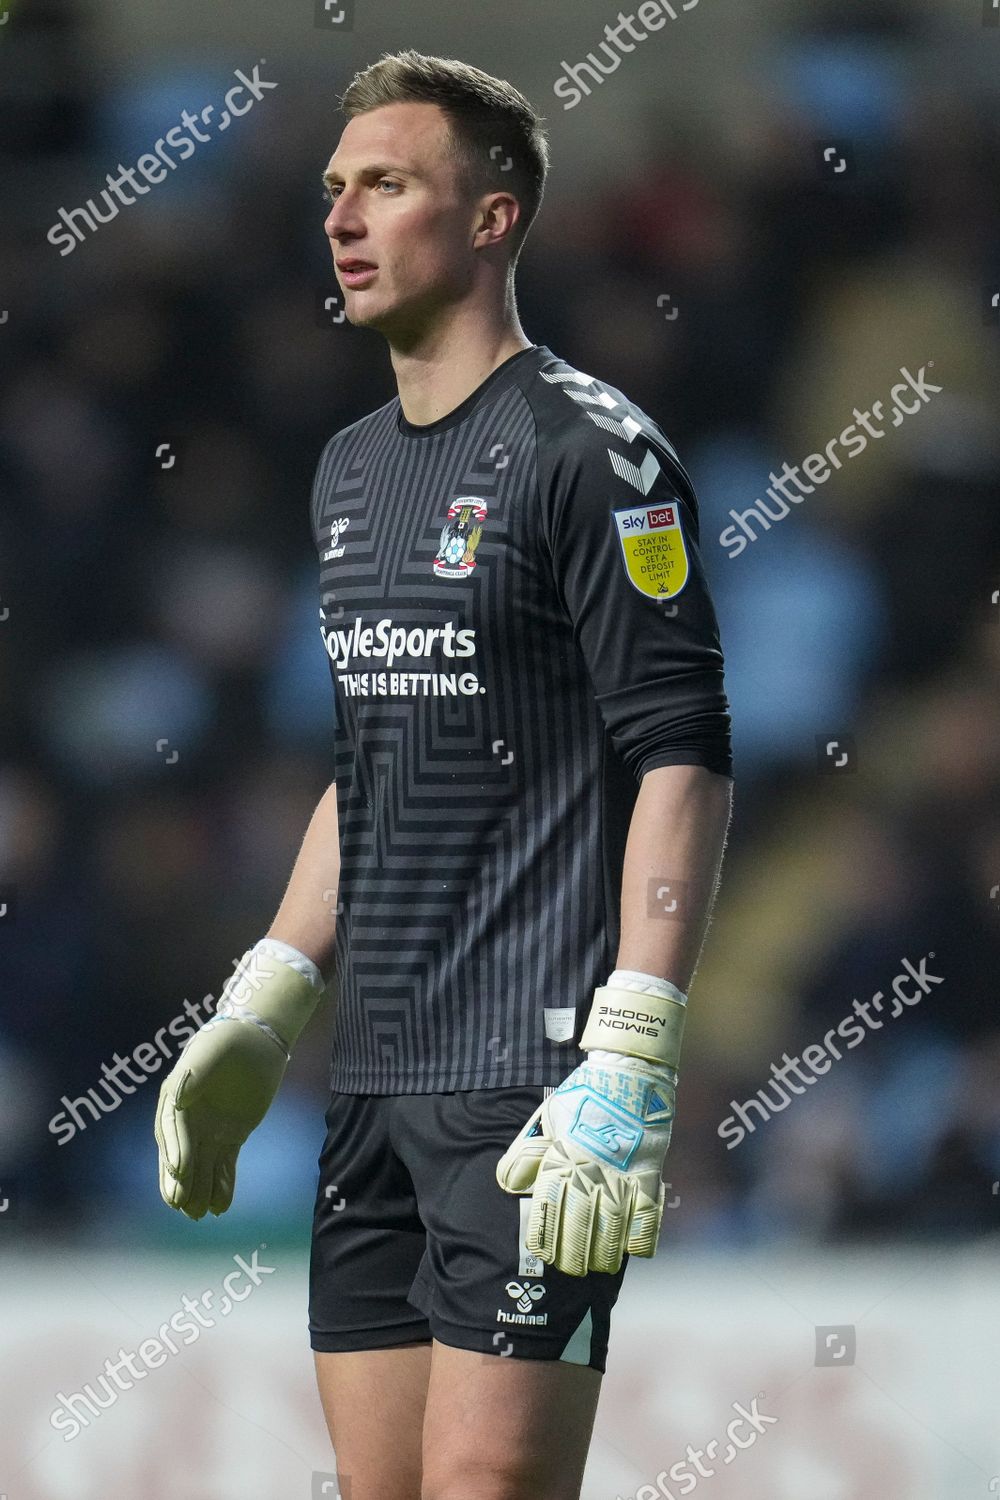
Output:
x=622 y=535
x=593 y=1152
x=672 y=862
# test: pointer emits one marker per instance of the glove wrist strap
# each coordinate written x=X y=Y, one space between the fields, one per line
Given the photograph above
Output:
x=269 y=993
x=645 y=1023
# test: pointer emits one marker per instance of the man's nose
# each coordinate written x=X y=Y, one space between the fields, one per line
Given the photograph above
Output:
x=343 y=218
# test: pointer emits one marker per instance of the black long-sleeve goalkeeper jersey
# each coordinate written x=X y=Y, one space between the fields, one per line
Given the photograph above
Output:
x=519 y=628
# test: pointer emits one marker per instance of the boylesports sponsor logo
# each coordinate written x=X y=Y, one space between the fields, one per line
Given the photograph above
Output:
x=389 y=641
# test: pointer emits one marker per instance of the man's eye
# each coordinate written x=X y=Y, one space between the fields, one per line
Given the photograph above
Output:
x=330 y=194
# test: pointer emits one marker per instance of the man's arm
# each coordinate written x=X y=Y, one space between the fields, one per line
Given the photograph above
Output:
x=592 y=1153
x=672 y=861
x=228 y=1073
x=622 y=535
x=306 y=917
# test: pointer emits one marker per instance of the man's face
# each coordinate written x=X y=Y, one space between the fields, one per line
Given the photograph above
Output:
x=397 y=204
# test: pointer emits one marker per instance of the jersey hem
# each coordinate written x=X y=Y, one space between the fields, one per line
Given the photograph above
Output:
x=360 y=1081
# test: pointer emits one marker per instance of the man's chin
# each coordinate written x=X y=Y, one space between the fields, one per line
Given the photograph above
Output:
x=363 y=313
x=359 y=306
x=358 y=316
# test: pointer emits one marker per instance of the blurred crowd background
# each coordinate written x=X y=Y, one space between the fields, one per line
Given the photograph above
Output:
x=166 y=714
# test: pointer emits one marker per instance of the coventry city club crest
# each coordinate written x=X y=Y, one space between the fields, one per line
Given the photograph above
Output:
x=460 y=537
x=653 y=549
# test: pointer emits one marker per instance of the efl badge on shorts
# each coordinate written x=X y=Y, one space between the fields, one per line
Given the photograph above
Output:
x=460 y=537
x=653 y=549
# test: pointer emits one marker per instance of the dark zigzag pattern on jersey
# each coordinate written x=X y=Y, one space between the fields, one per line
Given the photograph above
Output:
x=409 y=824
x=546 y=946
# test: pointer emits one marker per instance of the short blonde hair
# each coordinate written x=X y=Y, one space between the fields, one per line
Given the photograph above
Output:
x=497 y=141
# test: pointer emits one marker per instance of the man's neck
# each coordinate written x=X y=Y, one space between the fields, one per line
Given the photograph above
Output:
x=432 y=381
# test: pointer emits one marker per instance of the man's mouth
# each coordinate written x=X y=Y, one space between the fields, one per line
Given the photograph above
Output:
x=356 y=272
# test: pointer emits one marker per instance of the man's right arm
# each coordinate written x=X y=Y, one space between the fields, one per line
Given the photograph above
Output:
x=228 y=1073
x=306 y=918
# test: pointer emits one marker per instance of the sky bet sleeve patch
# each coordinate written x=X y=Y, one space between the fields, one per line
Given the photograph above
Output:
x=653 y=549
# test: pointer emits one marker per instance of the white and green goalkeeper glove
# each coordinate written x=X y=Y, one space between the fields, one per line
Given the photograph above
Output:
x=228 y=1073
x=592 y=1153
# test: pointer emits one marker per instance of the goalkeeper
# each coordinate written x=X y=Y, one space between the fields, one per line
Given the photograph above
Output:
x=510 y=878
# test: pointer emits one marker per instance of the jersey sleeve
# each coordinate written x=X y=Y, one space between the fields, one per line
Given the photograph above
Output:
x=622 y=535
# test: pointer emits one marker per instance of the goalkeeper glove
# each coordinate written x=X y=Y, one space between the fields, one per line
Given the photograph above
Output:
x=228 y=1073
x=592 y=1153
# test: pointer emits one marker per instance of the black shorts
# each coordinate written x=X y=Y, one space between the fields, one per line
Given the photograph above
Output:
x=413 y=1237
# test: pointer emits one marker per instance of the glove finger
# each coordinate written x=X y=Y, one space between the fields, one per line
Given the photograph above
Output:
x=518 y=1167
x=177 y=1182
x=174 y=1134
x=546 y=1234
x=577 y=1227
x=172 y=1192
x=612 y=1203
x=189 y=1149
x=224 y=1181
x=647 y=1220
x=199 y=1189
x=158 y=1130
x=187 y=1170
